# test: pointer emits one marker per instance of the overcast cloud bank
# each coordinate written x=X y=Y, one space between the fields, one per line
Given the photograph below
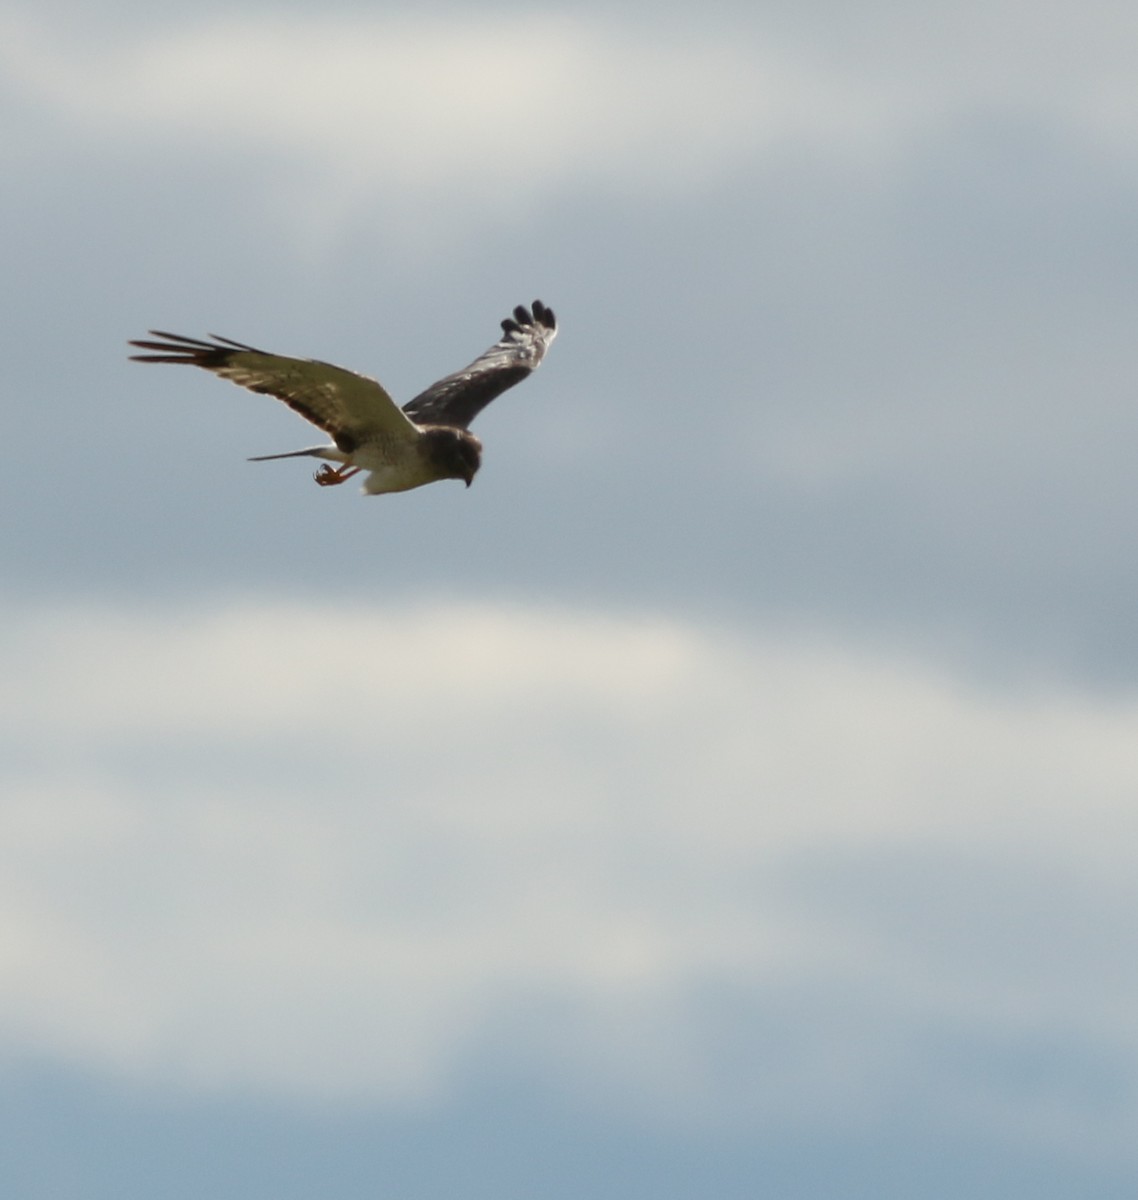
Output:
x=318 y=850
x=400 y=110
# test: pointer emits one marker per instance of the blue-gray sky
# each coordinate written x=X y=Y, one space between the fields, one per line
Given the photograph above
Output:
x=733 y=792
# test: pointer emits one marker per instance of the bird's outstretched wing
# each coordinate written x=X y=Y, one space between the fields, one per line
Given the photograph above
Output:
x=459 y=398
x=350 y=407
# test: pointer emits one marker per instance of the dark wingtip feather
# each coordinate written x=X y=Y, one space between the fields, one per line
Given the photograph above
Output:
x=181 y=339
x=544 y=316
x=230 y=342
x=523 y=317
x=177 y=348
x=174 y=348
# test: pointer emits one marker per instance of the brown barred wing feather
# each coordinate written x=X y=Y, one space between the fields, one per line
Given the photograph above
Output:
x=352 y=408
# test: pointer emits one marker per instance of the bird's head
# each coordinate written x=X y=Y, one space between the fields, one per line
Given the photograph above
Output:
x=455 y=453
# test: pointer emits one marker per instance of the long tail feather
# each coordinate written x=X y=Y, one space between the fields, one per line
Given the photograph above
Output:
x=311 y=452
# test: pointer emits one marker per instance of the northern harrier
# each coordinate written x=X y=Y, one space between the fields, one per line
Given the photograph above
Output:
x=400 y=448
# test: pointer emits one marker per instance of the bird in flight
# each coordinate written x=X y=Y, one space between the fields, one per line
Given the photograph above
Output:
x=427 y=439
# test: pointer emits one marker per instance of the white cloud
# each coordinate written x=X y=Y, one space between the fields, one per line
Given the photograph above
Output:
x=492 y=101
x=323 y=850
x=429 y=120
x=415 y=113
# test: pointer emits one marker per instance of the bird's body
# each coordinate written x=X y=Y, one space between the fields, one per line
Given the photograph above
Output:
x=398 y=448
x=396 y=464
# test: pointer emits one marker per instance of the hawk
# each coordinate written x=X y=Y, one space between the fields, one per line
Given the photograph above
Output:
x=427 y=439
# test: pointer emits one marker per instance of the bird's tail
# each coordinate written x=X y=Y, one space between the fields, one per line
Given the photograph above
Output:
x=328 y=452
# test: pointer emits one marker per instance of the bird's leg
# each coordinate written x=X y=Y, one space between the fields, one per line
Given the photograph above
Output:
x=328 y=475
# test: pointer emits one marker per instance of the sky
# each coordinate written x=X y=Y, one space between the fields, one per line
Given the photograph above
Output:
x=732 y=793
